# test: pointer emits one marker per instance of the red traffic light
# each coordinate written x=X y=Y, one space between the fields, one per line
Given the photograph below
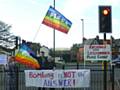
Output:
x=105 y=20
x=106 y=11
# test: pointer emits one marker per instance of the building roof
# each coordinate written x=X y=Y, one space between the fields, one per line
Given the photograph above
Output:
x=91 y=41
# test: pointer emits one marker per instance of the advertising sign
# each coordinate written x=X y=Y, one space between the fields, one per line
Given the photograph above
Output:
x=97 y=52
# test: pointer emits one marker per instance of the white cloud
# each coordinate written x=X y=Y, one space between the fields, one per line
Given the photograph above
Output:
x=33 y=2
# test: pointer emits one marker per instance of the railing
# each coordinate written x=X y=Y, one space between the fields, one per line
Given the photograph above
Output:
x=96 y=82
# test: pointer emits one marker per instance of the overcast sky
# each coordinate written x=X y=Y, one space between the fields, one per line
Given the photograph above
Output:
x=26 y=16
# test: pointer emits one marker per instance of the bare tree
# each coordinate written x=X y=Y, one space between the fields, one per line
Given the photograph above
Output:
x=7 y=39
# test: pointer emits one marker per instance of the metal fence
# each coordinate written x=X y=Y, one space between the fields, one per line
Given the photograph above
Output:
x=96 y=82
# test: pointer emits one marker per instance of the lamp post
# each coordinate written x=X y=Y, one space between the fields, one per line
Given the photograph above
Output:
x=82 y=30
x=82 y=20
x=82 y=40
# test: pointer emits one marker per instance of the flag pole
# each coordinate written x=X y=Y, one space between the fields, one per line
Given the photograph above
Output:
x=54 y=36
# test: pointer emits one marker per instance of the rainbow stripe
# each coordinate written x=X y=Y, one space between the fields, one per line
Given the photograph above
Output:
x=23 y=56
x=56 y=20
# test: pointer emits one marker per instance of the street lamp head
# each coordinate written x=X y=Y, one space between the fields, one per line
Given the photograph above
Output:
x=81 y=19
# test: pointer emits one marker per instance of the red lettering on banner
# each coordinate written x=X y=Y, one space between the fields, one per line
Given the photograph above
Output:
x=41 y=75
x=70 y=74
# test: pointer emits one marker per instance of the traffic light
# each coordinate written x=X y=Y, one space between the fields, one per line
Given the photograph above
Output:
x=105 y=21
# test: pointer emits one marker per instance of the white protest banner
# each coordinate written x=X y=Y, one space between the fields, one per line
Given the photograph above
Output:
x=57 y=78
x=97 y=52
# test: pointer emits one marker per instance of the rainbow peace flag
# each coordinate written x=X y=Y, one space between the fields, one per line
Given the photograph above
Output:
x=56 y=20
x=23 y=56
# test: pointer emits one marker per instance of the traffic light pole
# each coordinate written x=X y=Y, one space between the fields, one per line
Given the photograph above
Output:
x=105 y=26
x=105 y=70
x=113 y=79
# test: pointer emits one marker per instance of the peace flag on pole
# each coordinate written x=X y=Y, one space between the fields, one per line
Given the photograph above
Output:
x=56 y=20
